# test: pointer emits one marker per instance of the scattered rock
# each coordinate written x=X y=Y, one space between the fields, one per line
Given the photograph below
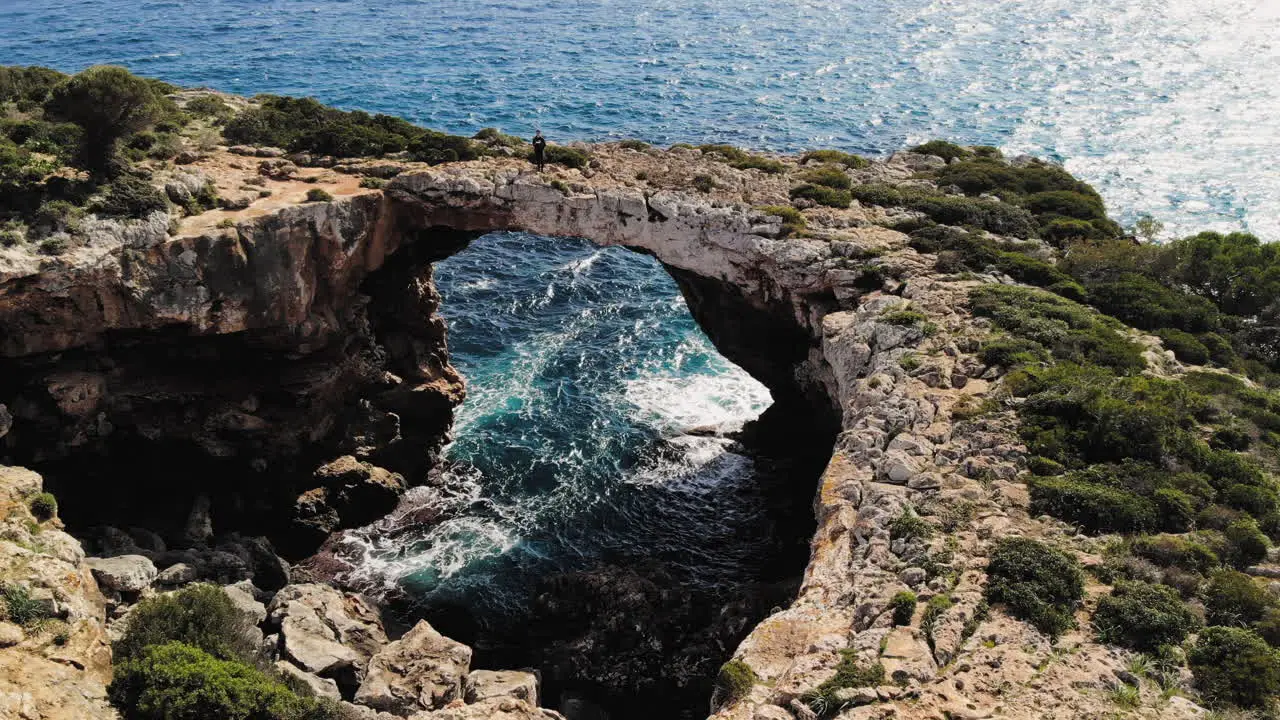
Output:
x=320 y=687
x=10 y=634
x=177 y=574
x=124 y=573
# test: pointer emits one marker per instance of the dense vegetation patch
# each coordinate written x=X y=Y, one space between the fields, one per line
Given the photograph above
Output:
x=848 y=160
x=734 y=682
x=1143 y=617
x=1234 y=666
x=793 y=222
x=743 y=160
x=991 y=215
x=188 y=656
x=1036 y=583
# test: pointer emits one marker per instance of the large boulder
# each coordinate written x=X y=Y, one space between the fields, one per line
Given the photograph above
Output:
x=486 y=684
x=326 y=632
x=125 y=573
x=423 y=670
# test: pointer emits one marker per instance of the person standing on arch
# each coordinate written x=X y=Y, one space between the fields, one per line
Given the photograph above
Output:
x=539 y=151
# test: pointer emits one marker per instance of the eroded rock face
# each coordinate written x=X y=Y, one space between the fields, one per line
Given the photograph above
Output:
x=326 y=632
x=423 y=670
x=40 y=678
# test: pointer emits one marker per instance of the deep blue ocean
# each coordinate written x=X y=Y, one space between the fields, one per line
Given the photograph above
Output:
x=584 y=366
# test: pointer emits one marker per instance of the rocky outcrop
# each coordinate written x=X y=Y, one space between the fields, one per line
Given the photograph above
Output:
x=309 y=333
x=55 y=661
x=423 y=670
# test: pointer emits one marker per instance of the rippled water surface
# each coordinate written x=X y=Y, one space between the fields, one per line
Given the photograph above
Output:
x=1169 y=106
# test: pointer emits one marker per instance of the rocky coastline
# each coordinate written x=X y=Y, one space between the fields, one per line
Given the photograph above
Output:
x=211 y=400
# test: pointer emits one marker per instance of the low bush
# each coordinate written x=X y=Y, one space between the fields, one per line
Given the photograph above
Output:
x=1143 y=617
x=1011 y=351
x=850 y=673
x=1036 y=583
x=494 y=136
x=210 y=106
x=734 y=682
x=201 y=616
x=1233 y=598
x=943 y=149
x=567 y=156
x=1185 y=346
x=742 y=160
x=18 y=607
x=318 y=195
x=129 y=196
x=848 y=160
x=909 y=526
x=1095 y=508
x=704 y=183
x=793 y=221
x=904 y=317
x=372 y=183
x=637 y=145
x=180 y=682
x=1245 y=542
x=933 y=611
x=1235 y=666
x=822 y=195
x=436 y=148
x=44 y=506
x=1176 y=551
x=1268 y=628
x=828 y=176
x=903 y=605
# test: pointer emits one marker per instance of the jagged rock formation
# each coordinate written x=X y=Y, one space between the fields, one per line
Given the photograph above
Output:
x=328 y=313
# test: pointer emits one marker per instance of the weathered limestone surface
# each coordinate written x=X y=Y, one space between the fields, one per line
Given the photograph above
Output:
x=804 y=315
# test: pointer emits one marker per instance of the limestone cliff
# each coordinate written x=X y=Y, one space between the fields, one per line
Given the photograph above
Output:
x=271 y=340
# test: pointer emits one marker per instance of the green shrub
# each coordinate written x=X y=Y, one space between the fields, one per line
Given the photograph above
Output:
x=109 y=104
x=1144 y=303
x=179 y=682
x=44 y=506
x=903 y=317
x=210 y=106
x=372 y=183
x=201 y=616
x=11 y=238
x=735 y=681
x=943 y=149
x=933 y=610
x=318 y=195
x=822 y=195
x=634 y=145
x=1185 y=346
x=1268 y=628
x=1066 y=203
x=1095 y=508
x=130 y=196
x=567 y=156
x=1071 y=331
x=1010 y=352
x=1235 y=666
x=436 y=148
x=737 y=158
x=1233 y=598
x=793 y=221
x=850 y=673
x=19 y=607
x=28 y=87
x=704 y=183
x=903 y=605
x=1143 y=617
x=848 y=160
x=1063 y=231
x=1245 y=542
x=1036 y=583
x=494 y=136
x=909 y=526
x=1045 y=467
x=827 y=176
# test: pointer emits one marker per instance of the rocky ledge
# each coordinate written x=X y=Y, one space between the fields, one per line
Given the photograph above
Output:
x=295 y=347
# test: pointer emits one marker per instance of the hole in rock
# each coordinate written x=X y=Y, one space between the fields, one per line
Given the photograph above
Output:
x=620 y=504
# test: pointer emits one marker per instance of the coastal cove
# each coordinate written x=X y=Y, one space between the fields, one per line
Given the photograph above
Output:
x=313 y=413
